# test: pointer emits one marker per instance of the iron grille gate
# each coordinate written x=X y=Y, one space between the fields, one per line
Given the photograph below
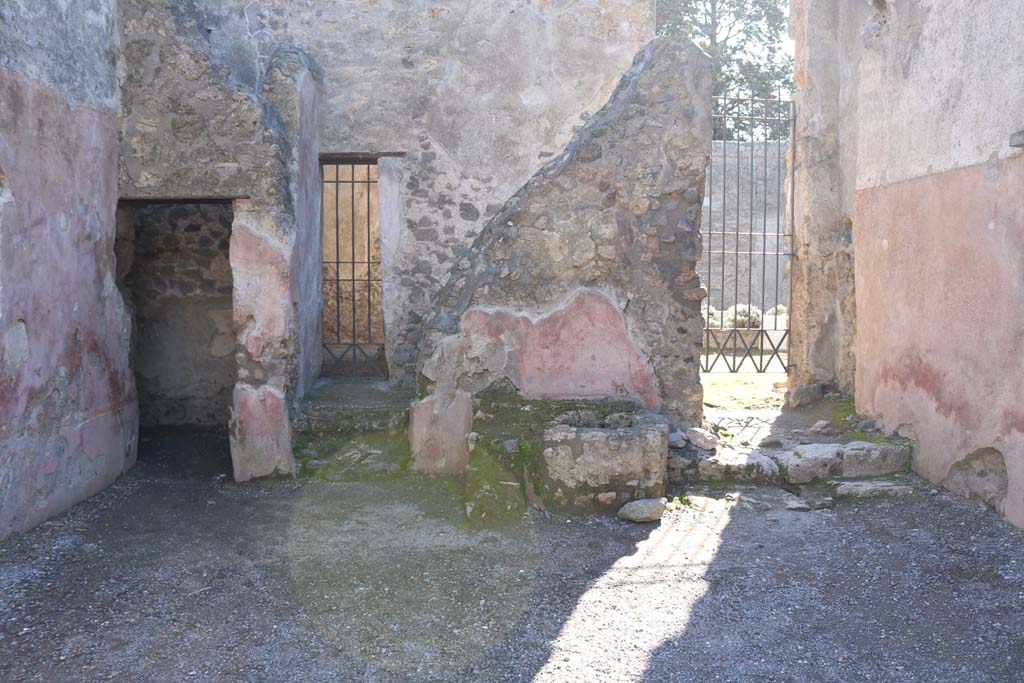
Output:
x=747 y=250
x=353 y=323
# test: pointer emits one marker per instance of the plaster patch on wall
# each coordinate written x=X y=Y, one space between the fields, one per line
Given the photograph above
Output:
x=980 y=476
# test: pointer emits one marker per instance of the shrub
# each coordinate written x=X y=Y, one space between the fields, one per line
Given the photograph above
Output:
x=712 y=316
x=743 y=316
x=779 y=310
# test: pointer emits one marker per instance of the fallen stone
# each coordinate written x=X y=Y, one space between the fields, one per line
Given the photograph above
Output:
x=805 y=394
x=702 y=438
x=316 y=464
x=772 y=442
x=738 y=464
x=868 y=425
x=865 y=459
x=798 y=505
x=643 y=510
x=820 y=426
x=511 y=445
x=871 y=489
x=677 y=440
x=809 y=462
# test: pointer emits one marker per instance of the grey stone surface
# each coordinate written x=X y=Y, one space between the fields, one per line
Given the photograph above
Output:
x=597 y=468
x=871 y=488
x=645 y=510
x=805 y=394
x=738 y=464
x=823 y=307
x=702 y=438
x=866 y=459
x=607 y=214
x=70 y=47
x=980 y=476
x=809 y=462
x=436 y=84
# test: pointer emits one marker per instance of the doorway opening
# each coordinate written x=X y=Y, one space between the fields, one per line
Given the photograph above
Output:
x=176 y=279
x=353 y=314
x=745 y=263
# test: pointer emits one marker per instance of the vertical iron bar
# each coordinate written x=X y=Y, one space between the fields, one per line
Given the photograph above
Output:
x=792 y=208
x=352 y=267
x=369 y=266
x=337 y=253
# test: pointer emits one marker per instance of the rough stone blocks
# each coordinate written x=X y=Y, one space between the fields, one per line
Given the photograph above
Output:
x=594 y=464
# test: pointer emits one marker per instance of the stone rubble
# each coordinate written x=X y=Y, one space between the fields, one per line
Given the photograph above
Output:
x=740 y=464
x=643 y=510
x=871 y=488
x=702 y=438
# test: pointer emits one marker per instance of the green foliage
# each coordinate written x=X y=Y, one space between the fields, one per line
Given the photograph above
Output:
x=779 y=310
x=745 y=40
x=743 y=316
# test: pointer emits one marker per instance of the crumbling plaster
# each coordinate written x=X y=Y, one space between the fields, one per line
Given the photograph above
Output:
x=477 y=98
x=194 y=126
x=913 y=103
x=68 y=412
x=585 y=283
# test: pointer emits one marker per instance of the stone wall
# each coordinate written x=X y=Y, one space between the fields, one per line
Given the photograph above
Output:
x=180 y=287
x=476 y=95
x=822 y=309
x=196 y=125
x=923 y=98
x=68 y=413
x=584 y=284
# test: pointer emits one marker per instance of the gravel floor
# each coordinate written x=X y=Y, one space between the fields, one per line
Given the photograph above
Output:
x=175 y=574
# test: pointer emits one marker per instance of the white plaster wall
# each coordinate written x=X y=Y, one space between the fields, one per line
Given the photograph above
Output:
x=941 y=87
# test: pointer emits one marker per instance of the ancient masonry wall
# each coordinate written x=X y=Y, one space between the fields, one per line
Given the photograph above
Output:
x=180 y=291
x=477 y=96
x=932 y=93
x=822 y=307
x=68 y=414
x=584 y=284
x=194 y=125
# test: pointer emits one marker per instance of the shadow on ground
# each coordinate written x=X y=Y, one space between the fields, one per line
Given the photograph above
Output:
x=176 y=574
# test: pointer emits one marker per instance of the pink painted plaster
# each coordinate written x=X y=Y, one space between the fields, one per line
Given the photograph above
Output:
x=580 y=350
x=438 y=427
x=260 y=433
x=68 y=412
x=940 y=314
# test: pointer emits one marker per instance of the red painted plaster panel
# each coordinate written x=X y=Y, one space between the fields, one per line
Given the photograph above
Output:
x=437 y=431
x=67 y=399
x=580 y=350
x=940 y=314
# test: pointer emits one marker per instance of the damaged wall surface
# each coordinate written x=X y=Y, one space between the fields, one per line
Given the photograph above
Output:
x=585 y=283
x=194 y=127
x=917 y=119
x=68 y=412
x=434 y=80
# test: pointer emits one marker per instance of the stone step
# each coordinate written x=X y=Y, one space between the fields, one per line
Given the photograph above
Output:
x=351 y=429
x=800 y=465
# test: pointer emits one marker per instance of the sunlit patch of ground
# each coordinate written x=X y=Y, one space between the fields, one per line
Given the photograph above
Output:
x=744 y=390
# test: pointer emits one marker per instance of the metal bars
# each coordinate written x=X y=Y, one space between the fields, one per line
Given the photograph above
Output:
x=747 y=247
x=353 y=321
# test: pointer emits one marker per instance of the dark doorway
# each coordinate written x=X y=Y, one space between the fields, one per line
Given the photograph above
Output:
x=176 y=277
